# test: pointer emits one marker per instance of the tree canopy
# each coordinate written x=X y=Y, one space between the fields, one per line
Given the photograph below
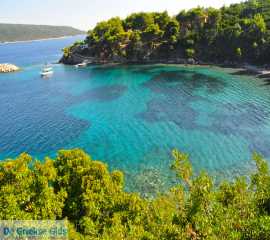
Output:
x=205 y=34
x=75 y=187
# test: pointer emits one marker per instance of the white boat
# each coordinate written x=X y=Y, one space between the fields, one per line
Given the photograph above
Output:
x=46 y=71
x=83 y=64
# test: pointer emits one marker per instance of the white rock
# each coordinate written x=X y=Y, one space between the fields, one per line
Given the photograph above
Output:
x=6 y=68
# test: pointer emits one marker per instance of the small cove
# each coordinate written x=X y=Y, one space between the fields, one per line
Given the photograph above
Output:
x=131 y=117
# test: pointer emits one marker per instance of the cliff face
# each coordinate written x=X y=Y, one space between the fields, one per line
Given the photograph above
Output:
x=177 y=57
x=74 y=59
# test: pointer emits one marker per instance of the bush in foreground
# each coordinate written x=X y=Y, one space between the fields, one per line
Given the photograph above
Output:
x=75 y=187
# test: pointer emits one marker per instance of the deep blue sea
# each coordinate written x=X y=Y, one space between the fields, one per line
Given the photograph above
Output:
x=131 y=117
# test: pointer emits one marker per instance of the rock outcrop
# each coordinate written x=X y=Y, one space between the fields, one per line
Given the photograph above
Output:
x=6 y=68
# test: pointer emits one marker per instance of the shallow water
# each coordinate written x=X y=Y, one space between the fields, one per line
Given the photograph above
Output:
x=131 y=117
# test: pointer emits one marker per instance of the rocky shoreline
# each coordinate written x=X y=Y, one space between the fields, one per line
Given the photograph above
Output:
x=74 y=59
x=77 y=59
x=7 y=68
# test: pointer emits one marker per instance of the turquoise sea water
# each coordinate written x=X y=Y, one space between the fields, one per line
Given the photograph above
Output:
x=131 y=117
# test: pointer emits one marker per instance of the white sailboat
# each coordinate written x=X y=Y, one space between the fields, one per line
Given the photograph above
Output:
x=46 y=71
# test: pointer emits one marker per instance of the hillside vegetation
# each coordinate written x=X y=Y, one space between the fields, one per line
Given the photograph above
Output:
x=238 y=33
x=23 y=32
x=77 y=188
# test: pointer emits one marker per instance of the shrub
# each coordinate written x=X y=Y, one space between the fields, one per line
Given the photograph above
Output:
x=93 y=199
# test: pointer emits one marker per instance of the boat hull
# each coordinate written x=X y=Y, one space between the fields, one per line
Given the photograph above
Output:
x=43 y=74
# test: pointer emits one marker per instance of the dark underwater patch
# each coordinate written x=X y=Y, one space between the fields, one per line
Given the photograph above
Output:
x=184 y=80
x=165 y=110
x=38 y=123
x=145 y=69
x=175 y=92
x=246 y=121
x=260 y=143
x=238 y=118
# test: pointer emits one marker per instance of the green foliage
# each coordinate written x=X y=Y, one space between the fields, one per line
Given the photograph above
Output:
x=238 y=52
x=139 y=21
x=107 y=38
x=151 y=33
x=68 y=50
x=84 y=191
x=213 y=34
x=171 y=33
x=190 y=52
x=162 y=19
x=27 y=193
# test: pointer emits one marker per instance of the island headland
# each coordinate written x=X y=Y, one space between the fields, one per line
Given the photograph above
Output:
x=232 y=36
x=26 y=32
